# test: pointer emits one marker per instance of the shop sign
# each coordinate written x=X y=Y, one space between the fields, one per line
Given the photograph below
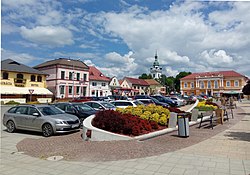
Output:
x=6 y=83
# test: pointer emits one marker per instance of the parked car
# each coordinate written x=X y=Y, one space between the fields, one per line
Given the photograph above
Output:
x=42 y=118
x=100 y=105
x=81 y=110
x=165 y=100
x=126 y=103
x=118 y=97
x=83 y=99
x=156 y=102
x=179 y=101
x=146 y=101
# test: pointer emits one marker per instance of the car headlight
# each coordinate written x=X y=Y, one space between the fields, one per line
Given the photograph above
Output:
x=61 y=122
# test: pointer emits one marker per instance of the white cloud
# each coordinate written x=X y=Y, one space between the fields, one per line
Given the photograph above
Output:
x=23 y=58
x=48 y=35
x=170 y=71
x=214 y=57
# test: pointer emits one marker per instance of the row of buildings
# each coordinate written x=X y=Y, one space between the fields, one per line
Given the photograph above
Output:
x=65 y=79
x=68 y=78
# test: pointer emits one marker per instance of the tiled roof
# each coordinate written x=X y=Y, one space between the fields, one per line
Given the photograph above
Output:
x=152 y=82
x=229 y=73
x=136 y=81
x=13 y=66
x=64 y=61
x=95 y=74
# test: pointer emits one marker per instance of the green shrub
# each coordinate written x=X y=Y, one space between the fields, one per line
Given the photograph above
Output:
x=12 y=102
x=33 y=102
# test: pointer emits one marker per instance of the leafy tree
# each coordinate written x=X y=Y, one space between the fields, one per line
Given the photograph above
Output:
x=246 y=88
x=145 y=76
x=177 y=79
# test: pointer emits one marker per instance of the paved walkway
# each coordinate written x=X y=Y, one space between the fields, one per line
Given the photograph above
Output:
x=225 y=153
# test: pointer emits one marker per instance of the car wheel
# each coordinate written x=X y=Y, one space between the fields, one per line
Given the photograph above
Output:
x=10 y=126
x=47 y=130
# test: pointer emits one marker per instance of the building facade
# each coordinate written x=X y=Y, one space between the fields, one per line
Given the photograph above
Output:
x=98 y=83
x=155 y=87
x=134 y=86
x=68 y=78
x=212 y=83
x=156 y=70
x=22 y=84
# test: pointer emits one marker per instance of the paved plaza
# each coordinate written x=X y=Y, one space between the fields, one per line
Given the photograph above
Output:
x=225 y=153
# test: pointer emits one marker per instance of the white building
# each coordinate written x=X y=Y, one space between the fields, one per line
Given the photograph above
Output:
x=156 y=70
x=67 y=78
x=98 y=83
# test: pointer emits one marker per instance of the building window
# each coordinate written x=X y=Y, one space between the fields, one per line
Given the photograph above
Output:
x=77 y=76
x=61 y=89
x=93 y=92
x=77 y=89
x=185 y=85
x=101 y=94
x=70 y=90
x=84 y=77
x=228 y=84
x=209 y=84
x=192 y=85
x=39 y=78
x=32 y=78
x=84 y=91
x=94 y=84
x=62 y=75
x=5 y=75
x=236 y=83
x=201 y=84
x=19 y=78
x=103 y=84
x=216 y=84
x=70 y=75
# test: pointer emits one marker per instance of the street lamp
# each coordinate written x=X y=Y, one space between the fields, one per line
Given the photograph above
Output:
x=73 y=78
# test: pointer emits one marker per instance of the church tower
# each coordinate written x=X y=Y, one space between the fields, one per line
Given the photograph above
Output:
x=156 y=70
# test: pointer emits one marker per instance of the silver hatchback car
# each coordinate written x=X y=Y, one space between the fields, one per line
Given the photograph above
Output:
x=42 y=118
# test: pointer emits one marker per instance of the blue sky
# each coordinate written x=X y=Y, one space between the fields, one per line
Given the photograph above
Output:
x=120 y=37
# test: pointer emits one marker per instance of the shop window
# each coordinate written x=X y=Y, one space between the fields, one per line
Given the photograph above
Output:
x=70 y=90
x=39 y=78
x=62 y=87
x=5 y=75
x=32 y=78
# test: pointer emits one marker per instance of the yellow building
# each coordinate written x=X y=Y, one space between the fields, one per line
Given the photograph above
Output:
x=21 y=83
x=213 y=83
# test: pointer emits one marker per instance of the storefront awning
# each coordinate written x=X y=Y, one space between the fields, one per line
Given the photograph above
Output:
x=24 y=90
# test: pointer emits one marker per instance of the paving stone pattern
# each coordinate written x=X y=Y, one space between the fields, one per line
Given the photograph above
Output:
x=223 y=150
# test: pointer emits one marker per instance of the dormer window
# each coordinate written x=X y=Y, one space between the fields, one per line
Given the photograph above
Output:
x=101 y=74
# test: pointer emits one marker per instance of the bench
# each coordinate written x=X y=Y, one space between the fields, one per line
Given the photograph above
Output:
x=211 y=119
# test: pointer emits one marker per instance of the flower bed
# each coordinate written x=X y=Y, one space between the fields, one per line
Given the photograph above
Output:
x=206 y=106
x=127 y=124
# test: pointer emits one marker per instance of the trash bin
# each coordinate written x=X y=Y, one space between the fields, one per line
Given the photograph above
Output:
x=183 y=125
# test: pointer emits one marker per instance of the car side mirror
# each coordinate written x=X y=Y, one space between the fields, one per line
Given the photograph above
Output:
x=36 y=114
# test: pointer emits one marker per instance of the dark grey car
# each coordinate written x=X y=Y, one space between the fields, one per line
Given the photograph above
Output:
x=42 y=118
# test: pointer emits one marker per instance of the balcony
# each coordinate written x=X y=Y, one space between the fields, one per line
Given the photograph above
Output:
x=19 y=82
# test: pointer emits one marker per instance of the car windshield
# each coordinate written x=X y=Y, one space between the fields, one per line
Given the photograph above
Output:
x=108 y=105
x=137 y=102
x=50 y=110
x=83 y=107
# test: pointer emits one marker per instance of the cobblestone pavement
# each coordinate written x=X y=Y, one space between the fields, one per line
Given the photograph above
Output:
x=224 y=150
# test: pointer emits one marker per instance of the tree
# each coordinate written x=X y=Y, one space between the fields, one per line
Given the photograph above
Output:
x=178 y=77
x=145 y=76
x=246 y=89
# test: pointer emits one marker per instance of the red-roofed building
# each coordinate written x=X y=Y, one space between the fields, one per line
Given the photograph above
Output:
x=98 y=83
x=212 y=83
x=134 y=86
x=155 y=87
